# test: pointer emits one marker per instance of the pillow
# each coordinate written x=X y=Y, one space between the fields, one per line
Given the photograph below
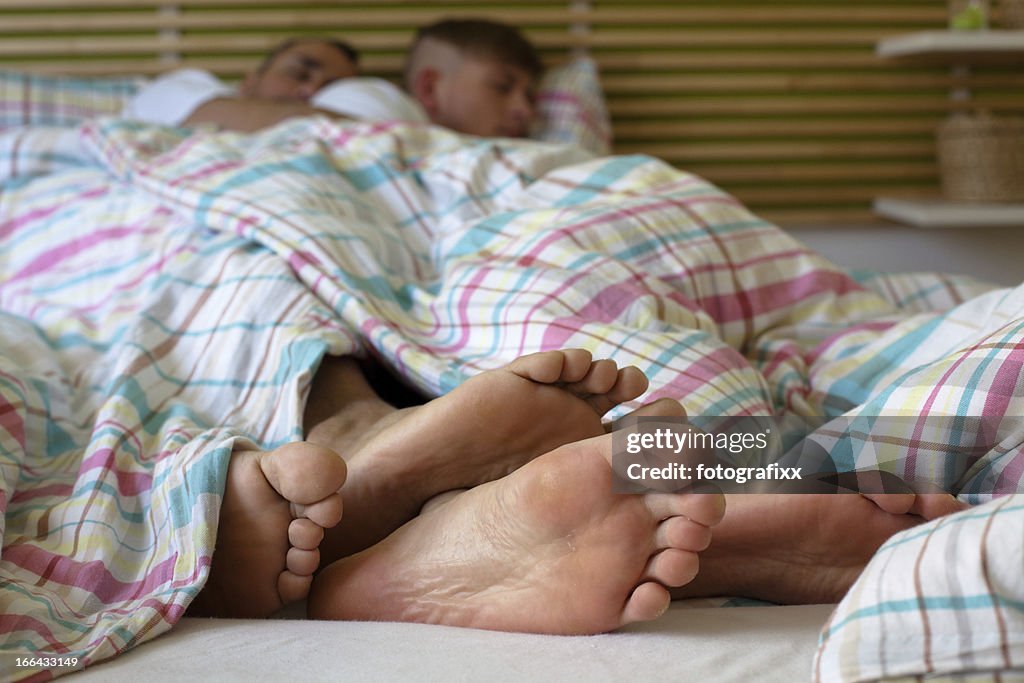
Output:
x=60 y=100
x=945 y=598
x=571 y=108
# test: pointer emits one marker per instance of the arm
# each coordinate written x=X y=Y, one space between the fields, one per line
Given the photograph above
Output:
x=248 y=115
x=188 y=97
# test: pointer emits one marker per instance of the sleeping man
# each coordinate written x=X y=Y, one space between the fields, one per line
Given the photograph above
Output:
x=300 y=77
x=474 y=76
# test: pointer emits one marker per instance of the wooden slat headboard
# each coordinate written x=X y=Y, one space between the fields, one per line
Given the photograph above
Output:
x=784 y=104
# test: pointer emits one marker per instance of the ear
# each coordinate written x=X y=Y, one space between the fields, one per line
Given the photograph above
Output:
x=424 y=89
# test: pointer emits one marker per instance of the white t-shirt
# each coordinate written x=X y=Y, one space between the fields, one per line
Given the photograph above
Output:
x=171 y=98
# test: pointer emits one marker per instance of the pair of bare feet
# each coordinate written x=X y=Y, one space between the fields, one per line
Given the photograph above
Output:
x=539 y=542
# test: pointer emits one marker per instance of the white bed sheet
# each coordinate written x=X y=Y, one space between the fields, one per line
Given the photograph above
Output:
x=688 y=643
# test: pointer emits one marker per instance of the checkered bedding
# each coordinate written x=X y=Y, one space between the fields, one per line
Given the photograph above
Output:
x=165 y=297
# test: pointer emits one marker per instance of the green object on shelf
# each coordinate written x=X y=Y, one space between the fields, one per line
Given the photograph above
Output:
x=971 y=18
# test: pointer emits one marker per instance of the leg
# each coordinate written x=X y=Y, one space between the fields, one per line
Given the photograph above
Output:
x=799 y=548
x=481 y=431
x=548 y=549
x=275 y=509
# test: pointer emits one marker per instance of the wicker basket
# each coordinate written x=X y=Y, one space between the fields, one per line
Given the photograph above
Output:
x=1011 y=14
x=981 y=158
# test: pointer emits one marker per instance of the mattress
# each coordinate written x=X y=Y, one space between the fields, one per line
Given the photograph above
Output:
x=763 y=643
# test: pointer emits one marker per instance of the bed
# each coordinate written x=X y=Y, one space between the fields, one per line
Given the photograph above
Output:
x=167 y=294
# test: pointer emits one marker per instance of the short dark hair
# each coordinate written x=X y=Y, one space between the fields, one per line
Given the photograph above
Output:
x=484 y=38
x=340 y=45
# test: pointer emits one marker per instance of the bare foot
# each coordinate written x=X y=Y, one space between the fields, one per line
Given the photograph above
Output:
x=547 y=549
x=483 y=430
x=272 y=520
x=799 y=548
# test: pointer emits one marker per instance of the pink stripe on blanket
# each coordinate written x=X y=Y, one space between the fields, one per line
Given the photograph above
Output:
x=10 y=623
x=53 y=490
x=50 y=259
x=128 y=483
x=933 y=396
x=10 y=227
x=463 y=308
x=12 y=422
x=727 y=308
x=92 y=576
x=605 y=307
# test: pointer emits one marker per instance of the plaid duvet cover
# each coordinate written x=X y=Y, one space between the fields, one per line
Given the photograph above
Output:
x=165 y=296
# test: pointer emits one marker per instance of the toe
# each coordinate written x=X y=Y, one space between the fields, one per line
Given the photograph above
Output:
x=302 y=562
x=305 y=534
x=548 y=367
x=703 y=508
x=672 y=567
x=893 y=503
x=599 y=379
x=630 y=382
x=302 y=472
x=663 y=407
x=292 y=587
x=647 y=602
x=679 y=532
x=326 y=513
x=576 y=365
x=933 y=505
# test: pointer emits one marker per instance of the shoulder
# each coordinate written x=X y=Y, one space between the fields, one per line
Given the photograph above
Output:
x=186 y=77
x=171 y=97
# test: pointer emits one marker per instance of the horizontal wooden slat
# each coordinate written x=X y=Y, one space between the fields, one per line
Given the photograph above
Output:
x=836 y=216
x=103 y=4
x=783 y=83
x=87 y=46
x=762 y=13
x=836 y=127
x=652 y=58
x=797 y=105
x=263 y=19
x=748 y=172
x=186 y=17
x=740 y=38
x=781 y=150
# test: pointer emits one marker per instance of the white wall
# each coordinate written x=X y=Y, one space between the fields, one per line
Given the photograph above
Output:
x=994 y=254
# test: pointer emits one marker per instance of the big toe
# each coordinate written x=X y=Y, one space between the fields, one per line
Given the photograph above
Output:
x=647 y=602
x=934 y=505
x=303 y=472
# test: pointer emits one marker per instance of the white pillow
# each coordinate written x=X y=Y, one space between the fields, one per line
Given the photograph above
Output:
x=943 y=598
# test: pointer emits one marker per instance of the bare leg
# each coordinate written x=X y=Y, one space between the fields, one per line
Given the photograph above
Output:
x=795 y=549
x=275 y=509
x=484 y=429
x=548 y=549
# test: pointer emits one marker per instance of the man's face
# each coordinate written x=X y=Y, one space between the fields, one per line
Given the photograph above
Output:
x=486 y=97
x=298 y=72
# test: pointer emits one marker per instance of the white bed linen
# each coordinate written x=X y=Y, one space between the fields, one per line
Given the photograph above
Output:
x=688 y=643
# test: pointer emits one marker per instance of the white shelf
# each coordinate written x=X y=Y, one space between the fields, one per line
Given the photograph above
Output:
x=937 y=213
x=947 y=47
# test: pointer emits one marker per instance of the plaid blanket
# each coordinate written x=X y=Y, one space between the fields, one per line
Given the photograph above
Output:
x=942 y=599
x=165 y=296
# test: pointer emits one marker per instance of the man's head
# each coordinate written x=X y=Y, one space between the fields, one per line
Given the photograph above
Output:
x=474 y=76
x=298 y=67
